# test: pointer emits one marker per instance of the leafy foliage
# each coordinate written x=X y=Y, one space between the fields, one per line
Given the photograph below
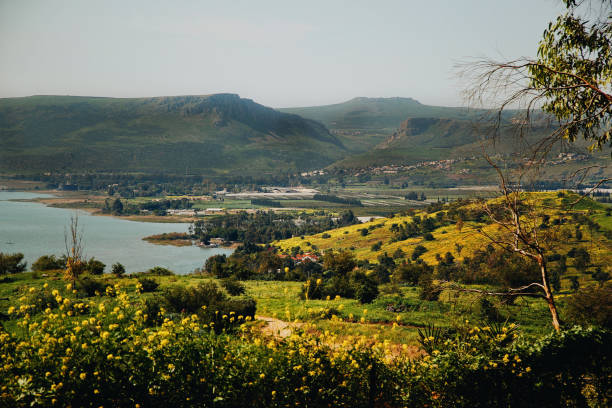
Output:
x=11 y=263
x=574 y=69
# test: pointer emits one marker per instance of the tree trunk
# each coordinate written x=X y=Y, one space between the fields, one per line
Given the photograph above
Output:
x=548 y=294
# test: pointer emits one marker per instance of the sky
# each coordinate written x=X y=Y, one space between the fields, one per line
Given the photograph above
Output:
x=281 y=53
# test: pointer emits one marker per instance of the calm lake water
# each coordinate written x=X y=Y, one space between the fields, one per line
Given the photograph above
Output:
x=34 y=230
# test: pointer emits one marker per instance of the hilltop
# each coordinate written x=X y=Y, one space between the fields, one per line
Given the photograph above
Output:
x=216 y=133
x=362 y=123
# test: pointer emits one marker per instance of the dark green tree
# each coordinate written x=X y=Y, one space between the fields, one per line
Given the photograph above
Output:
x=118 y=269
x=117 y=207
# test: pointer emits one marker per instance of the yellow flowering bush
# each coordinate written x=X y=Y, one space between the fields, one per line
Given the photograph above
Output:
x=111 y=355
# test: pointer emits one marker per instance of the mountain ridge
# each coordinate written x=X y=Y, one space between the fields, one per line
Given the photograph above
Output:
x=210 y=133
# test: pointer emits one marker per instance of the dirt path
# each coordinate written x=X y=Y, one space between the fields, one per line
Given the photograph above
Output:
x=276 y=327
x=282 y=329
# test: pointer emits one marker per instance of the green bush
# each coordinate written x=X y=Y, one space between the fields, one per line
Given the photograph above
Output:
x=160 y=271
x=591 y=306
x=148 y=285
x=418 y=251
x=91 y=287
x=95 y=267
x=210 y=303
x=12 y=263
x=428 y=290
x=233 y=287
x=487 y=311
x=118 y=269
x=48 y=263
x=366 y=289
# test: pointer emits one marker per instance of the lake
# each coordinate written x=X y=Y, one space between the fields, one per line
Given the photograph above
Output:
x=35 y=229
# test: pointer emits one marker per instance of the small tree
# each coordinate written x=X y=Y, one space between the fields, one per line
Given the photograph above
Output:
x=117 y=207
x=12 y=263
x=601 y=276
x=118 y=269
x=95 y=267
x=518 y=223
x=73 y=239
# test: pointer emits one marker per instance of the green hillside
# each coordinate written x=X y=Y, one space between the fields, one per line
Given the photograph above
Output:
x=362 y=123
x=215 y=134
x=464 y=240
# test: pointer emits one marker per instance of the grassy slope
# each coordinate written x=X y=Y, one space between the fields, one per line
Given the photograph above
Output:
x=350 y=238
x=173 y=134
x=280 y=300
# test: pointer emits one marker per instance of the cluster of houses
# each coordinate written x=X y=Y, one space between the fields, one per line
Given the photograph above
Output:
x=300 y=258
x=396 y=168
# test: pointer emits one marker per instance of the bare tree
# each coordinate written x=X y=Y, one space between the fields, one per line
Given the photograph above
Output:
x=73 y=239
x=567 y=88
x=520 y=233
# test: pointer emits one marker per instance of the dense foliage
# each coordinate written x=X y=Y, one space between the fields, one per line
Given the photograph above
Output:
x=266 y=226
x=12 y=263
x=67 y=351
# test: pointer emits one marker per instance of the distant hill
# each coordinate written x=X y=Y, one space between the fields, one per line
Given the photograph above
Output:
x=375 y=113
x=362 y=123
x=217 y=133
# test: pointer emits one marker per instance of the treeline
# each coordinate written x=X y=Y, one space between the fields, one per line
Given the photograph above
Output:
x=413 y=195
x=336 y=275
x=335 y=199
x=158 y=207
x=263 y=227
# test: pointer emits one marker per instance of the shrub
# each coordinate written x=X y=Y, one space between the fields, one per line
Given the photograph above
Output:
x=147 y=285
x=398 y=254
x=591 y=305
x=325 y=235
x=487 y=311
x=233 y=287
x=12 y=263
x=160 y=271
x=210 y=303
x=115 y=359
x=376 y=246
x=39 y=299
x=95 y=267
x=428 y=236
x=48 y=263
x=418 y=251
x=152 y=311
x=91 y=287
x=428 y=290
x=366 y=289
x=118 y=269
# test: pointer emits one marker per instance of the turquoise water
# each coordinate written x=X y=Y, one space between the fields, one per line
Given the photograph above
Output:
x=35 y=230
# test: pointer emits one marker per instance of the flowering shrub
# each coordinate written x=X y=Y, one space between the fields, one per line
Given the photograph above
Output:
x=105 y=353
x=112 y=358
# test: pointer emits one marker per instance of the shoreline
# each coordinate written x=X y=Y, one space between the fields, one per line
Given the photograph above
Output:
x=64 y=199
x=84 y=201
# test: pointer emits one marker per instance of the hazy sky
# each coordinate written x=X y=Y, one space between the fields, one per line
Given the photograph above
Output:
x=279 y=53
